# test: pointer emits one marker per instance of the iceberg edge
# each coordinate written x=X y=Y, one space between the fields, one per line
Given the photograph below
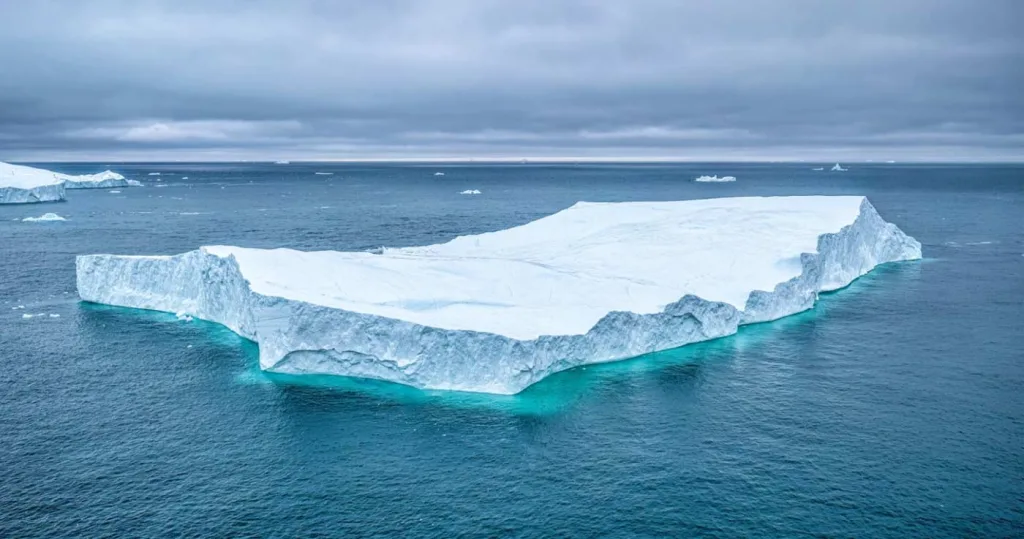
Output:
x=298 y=337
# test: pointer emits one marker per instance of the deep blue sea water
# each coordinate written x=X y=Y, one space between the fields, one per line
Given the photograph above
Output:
x=894 y=409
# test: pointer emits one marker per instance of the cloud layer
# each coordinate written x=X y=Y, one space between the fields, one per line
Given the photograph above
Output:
x=702 y=79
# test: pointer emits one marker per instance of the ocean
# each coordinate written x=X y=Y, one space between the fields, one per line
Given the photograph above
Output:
x=895 y=408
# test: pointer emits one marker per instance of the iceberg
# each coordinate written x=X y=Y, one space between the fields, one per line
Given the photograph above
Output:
x=470 y=192
x=44 y=217
x=499 y=311
x=282 y=162
x=439 y=174
x=838 y=168
x=715 y=179
x=22 y=185
x=103 y=180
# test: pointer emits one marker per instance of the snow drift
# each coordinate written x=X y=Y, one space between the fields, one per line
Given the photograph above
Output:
x=497 y=312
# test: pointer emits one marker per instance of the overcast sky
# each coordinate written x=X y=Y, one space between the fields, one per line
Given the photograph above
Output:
x=687 y=79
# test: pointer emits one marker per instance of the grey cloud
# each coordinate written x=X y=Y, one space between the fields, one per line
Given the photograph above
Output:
x=321 y=79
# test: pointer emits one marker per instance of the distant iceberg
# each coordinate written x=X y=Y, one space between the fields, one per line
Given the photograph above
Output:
x=24 y=185
x=715 y=179
x=103 y=180
x=838 y=168
x=44 y=217
x=439 y=174
x=154 y=173
x=497 y=312
x=324 y=173
x=470 y=192
x=282 y=162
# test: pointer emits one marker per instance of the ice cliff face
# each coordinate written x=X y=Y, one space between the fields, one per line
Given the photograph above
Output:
x=490 y=339
x=41 y=193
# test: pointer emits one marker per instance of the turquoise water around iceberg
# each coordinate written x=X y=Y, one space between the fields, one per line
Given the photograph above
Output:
x=894 y=408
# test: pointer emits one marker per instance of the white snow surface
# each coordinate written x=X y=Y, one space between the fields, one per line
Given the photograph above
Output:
x=715 y=179
x=44 y=217
x=497 y=312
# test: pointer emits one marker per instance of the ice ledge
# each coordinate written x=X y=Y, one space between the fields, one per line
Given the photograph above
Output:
x=303 y=338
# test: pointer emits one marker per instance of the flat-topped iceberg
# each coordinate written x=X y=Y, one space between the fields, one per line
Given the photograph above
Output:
x=103 y=180
x=497 y=312
x=22 y=185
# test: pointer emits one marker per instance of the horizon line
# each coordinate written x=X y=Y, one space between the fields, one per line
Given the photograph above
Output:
x=283 y=161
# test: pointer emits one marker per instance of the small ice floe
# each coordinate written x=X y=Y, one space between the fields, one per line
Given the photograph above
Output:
x=184 y=177
x=715 y=179
x=282 y=162
x=184 y=317
x=161 y=186
x=114 y=192
x=54 y=315
x=470 y=192
x=818 y=168
x=154 y=173
x=838 y=168
x=17 y=308
x=134 y=183
x=189 y=213
x=189 y=346
x=324 y=173
x=44 y=217
x=979 y=243
x=439 y=174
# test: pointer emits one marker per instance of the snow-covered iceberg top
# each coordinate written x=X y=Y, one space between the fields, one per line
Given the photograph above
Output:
x=497 y=312
x=715 y=179
x=44 y=217
x=20 y=184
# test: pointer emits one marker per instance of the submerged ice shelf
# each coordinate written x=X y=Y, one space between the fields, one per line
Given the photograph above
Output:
x=497 y=312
